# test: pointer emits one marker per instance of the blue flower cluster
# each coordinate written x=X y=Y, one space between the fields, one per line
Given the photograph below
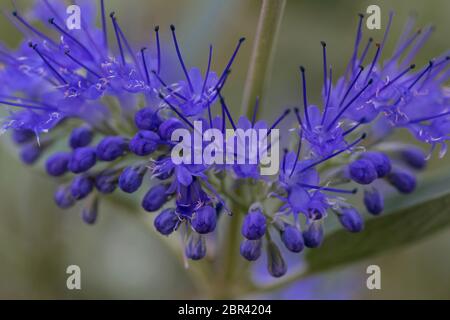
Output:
x=117 y=111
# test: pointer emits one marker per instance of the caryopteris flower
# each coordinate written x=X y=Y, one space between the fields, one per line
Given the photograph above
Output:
x=117 y=113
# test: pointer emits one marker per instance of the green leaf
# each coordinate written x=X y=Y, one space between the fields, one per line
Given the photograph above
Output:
x=397 y=229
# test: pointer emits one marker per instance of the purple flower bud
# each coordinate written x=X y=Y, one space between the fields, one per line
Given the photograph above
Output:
x=204 y=220
x=21 y=136
x=195 y=247
x=275 y=263
x=57 y=164
x=403 y=181
x=168 y=127
x=362 y=171
x=106 y=181
x=251 y=249
x=313 y=236
x=63 y=198
x=82 y=159
x=351 y=220
x=381 y=162
x=81 y=187
x=155 y=198
x=30 y=153
x=89 y=213
x=414 y=157
x=144 y=143
x=111 y=148
x=373 y=200
x=254 y=226
x=292 y=239
x=131 y=179
x=147 y=119
x=80 y=137
x=166 y=222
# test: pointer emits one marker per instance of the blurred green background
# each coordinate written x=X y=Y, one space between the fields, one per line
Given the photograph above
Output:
x=119 y=257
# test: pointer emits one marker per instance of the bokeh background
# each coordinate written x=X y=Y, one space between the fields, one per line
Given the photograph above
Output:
x=119 y=257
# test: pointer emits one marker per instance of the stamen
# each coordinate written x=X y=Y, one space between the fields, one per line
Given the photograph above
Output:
x=104 y=26
x=144 y=62
x=305 y=98
x=128 y=47
x=207 y=69
x=403 y=47
x=255 y=111
x=299 y=149
x=411 y=67
x=34 y=47
x=374 y=61
x=179 y=95
x=283 y=166
x=363 y=136
x=67 y=53
x=350 y=87
x=277 y=122
x=119 y=43
x=304 y=185
x=351 y=63
x=362 y=121
x=388 y=27
x=349 y=104
x=32 y=29
x=299 y=117
x=176 y=111
x=158 y=48
x=429 y=118
x=230 y=62
x=324 y=116
x=325 y=66
x=61 y=30
x=366 y=49
x=53 y=11
x=177 y=48
x=430 y=65
x=225 y=108
x=418 y=46
x=27 y=106
x=210 y=115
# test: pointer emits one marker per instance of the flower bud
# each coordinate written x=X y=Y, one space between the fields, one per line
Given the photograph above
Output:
x=131 y=179
x=166 y=222
x=155 y=198
x=313 y=236
x=57 y=164
x=204 y=220
x=63 y=197
x=414 y=157
x=30 y=153
x=80 y=137
x=403 y=181
x=147 y=119
x=275 y=263
x=351 y=220
x=144 y=143
x=251 y=249
x=168 y=127
x=195 y=247
x=82 y=159
x=292 y=239
x=89 y=213
x=111 y=148
x=373 y=200
x=21 y=136
x=254 y=226
x=362 y=171
x=81 y=187
x=381 y=162
x=106 y=181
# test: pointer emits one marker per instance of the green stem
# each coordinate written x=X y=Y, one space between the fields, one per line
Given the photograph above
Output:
x=263 y=53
